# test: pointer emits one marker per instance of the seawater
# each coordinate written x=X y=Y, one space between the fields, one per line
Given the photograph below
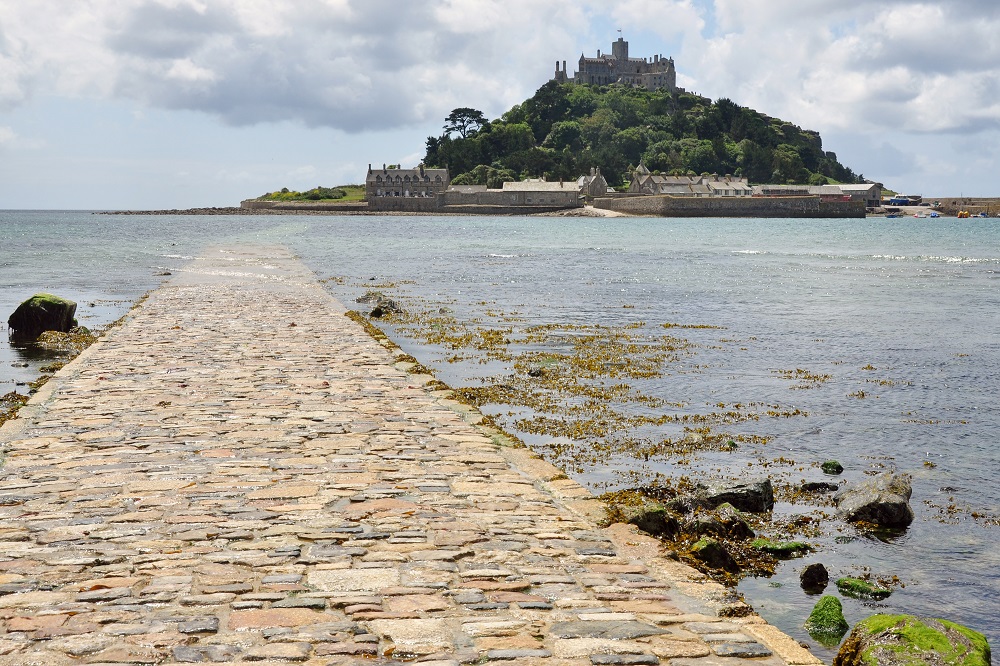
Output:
x=903 y=312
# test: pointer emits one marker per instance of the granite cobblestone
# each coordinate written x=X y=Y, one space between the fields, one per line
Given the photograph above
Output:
x=239 y=474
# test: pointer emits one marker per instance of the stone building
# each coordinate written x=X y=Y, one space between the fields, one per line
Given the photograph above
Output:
x=593 y=185
x=651 y=73
x=643 y=182
x=419 y=182
x=538 y=193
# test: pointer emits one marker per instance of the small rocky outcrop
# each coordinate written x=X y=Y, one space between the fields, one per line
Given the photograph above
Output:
x=715 y=555
x=782 y=549
x=882 y=500
x=832 y=467
x=814 y=578
x=861 y=589
x=752 y=496
x=826 y=622
x=381 y=304
x=819 y=487
x=652 y=518
x=726 y=522
x=42 y=312
x=905 y=640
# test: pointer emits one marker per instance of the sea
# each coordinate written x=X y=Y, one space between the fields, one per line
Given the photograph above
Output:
x=874 y=342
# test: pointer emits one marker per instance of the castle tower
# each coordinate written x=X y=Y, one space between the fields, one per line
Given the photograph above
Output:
x=620 y=50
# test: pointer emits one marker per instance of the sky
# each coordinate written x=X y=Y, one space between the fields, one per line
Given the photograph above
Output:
x=145 y=104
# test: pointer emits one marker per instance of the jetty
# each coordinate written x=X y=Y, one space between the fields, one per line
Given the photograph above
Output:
x=240 y=473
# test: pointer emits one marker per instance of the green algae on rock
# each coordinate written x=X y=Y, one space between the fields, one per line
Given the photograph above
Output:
x=860 y=589
x=782 y=549
x=826 y=622
x=905 y=640
x=714 y=554
x=832 y=467
x=42 y=312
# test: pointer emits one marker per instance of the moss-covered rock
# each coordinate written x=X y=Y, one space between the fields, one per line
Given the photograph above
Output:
x=861 y=589
x=832 y=467
x=715 y=555
x=783 y=549
x=826 y=623
x=652 y=518
x=905 y=640
x=42 y=312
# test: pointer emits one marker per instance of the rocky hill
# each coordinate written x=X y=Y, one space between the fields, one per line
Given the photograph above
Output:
x=564 y=130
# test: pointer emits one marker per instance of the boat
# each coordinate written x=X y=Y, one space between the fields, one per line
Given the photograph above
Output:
x=935 y=214
x=963 y=215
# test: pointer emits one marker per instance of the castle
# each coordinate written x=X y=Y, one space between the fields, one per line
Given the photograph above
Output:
x=650 y=73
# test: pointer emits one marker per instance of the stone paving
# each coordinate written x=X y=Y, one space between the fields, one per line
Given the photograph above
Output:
x=240 y=474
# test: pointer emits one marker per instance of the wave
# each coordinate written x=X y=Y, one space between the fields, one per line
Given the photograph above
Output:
x=937 y=259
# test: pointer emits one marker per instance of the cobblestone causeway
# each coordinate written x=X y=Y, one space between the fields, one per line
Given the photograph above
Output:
x=240 y=474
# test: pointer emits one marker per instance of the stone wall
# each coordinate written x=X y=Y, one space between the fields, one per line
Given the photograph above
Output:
x=405 y=204
x=568 y=197
x=326 y=206
x=668 y=206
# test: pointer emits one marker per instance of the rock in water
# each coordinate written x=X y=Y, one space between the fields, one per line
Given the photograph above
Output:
x=832 y=467
x=40 y=313
x=814 y=578
x=715 y=555
x=905 y=640
x=882 y=500
x=826 y=623
x=861 y=589
x=754 y=496
x=652 y=518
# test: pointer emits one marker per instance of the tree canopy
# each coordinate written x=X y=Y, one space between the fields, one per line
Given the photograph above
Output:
x=564 y=130
x=465 y=121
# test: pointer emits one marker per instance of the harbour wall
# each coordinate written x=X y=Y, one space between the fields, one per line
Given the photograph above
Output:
x=670 y=206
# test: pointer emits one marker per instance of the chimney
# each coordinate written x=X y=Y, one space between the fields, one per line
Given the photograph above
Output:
x=384 y=170
x=565 y=71
x=369 y=167
x=557 y=66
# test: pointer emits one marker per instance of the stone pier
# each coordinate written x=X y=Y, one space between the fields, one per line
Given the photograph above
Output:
x=239 y=473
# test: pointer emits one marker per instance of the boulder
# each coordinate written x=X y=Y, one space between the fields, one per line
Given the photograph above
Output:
x=814 y=578
x=905 y=640
x=826 y=622
x=832 y=467
x=882 y=500
x=381 y=304
x=726 y=522
x=715 y=555
x=861 y=589
x=752 y=496
x=42 y=312
x=782 y=549
x=652 y=518
x=819 y=487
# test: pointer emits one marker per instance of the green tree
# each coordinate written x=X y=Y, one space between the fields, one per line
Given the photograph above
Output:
x=465 y=121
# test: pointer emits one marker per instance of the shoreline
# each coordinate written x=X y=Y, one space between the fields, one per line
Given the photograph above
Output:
x=586 y=211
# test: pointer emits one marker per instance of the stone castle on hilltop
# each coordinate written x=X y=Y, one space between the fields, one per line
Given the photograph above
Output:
x=653 y=73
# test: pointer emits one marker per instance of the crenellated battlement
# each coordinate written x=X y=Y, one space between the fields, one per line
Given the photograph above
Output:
x=651 y=73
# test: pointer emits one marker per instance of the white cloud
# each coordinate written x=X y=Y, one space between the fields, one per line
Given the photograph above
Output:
x=7 y=135
x=347 y=64
x=890 y=64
